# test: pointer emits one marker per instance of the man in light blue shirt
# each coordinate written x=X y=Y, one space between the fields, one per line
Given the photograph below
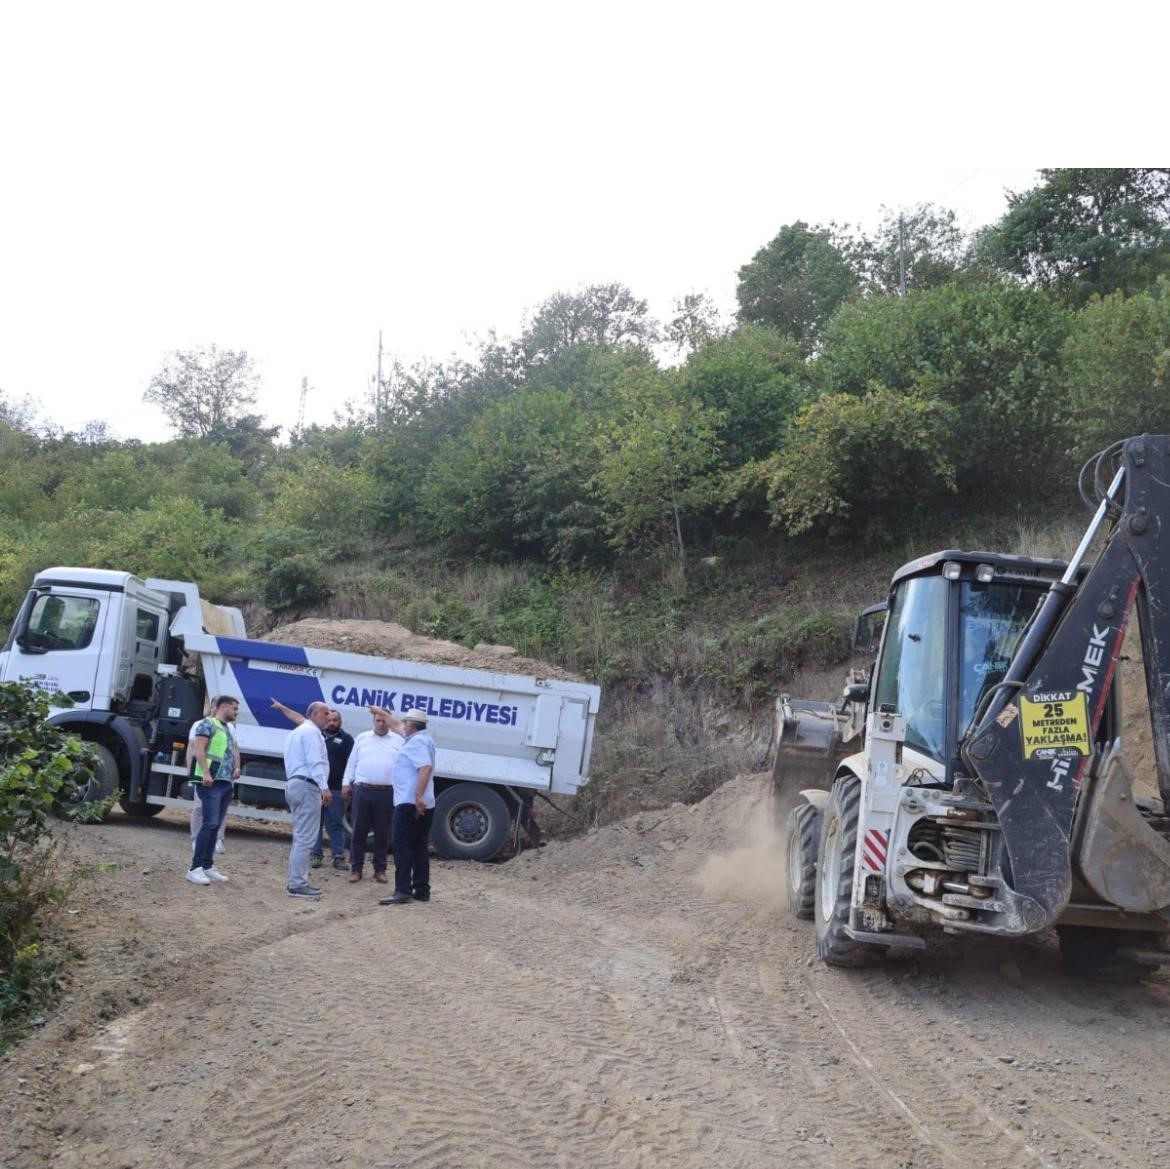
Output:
x=306 y=791
x=414 y=809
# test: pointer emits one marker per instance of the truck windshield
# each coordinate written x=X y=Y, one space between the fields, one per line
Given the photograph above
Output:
x=58 y=622
x=991 y=619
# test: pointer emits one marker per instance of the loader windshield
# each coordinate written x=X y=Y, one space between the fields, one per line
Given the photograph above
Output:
x=912 y=671
x=946 y=640
x=991 y=619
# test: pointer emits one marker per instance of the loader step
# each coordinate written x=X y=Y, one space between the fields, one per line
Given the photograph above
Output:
x=1145 y=957
x=912 y=941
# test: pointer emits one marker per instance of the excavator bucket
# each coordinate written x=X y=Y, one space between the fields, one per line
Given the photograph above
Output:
x=810 y=739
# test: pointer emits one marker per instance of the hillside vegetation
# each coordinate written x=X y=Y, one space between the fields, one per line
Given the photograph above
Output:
x=687 y=512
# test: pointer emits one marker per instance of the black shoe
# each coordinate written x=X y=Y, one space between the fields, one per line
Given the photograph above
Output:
x=339 y=862
x=316 y=861
x=396 y=899
x=310 y=892
x=422 y=897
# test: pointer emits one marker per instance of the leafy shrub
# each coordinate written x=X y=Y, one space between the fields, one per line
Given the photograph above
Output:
x=878 y=455
x=40 y=770
x=293 y=575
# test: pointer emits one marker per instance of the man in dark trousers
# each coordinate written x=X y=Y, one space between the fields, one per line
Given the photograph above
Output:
x=338 y=746
x=414 y=809
x=216 y=766
x=368 y=783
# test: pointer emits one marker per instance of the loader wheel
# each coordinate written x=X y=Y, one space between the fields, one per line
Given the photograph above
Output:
x=834 y=878
x=801 y=844
x=1092 y=953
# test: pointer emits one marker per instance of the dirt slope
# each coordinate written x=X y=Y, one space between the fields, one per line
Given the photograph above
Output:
x=634 y=998
x=389 y=640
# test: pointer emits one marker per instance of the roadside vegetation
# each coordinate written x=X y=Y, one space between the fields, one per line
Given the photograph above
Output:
x=40 y=770
x=689 y=511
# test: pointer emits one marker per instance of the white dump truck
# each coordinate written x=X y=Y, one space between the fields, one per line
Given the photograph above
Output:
x=138 y=660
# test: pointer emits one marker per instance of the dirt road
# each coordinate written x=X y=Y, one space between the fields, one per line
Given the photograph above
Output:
x=633 y=998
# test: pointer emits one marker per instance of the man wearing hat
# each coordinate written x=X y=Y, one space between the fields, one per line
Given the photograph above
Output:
x=414 y=809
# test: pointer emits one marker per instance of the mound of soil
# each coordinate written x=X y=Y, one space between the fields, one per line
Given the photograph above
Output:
x=385 y=639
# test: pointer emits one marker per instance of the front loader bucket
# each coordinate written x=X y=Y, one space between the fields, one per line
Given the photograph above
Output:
x=809 y=745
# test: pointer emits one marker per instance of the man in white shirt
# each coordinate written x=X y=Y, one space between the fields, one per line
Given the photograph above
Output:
x=414 y=811
x=369 y=782
x=306 y=791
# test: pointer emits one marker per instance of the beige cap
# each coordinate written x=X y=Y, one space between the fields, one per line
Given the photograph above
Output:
x=415 y=716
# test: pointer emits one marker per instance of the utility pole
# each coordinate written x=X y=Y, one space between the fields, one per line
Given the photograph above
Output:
x=378 y=387
x=901 y=259
x=300 y=431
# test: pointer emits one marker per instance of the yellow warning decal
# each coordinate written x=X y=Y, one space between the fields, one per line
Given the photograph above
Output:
x=1055 y=724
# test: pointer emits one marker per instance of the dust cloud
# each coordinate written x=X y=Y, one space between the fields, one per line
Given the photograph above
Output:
x=755 y=873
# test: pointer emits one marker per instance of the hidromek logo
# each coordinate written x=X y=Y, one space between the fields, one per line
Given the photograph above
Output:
x=1094 y=652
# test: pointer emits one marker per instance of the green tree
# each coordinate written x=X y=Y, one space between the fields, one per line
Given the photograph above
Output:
x=514 y=481
x=992 y=352
x=175 y=538
x=1086 y=230
x=310 y=494
x=202 y=390
x=754 y=379
x=796 y=282
x=1117 y=363
x=600 y=314
x=694 y=324
x=869 y=461
x=658 y=461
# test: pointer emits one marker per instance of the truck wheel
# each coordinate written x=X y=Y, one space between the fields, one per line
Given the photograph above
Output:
x=834 y=878
x=801 y=843
x=471 y=822
x=139 y=807
x=1092 y=953
x=104 y=783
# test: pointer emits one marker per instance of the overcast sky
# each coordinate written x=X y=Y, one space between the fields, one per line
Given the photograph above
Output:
x=290 y=178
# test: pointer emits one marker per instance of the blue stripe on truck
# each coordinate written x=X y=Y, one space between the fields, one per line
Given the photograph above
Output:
x=258 y=687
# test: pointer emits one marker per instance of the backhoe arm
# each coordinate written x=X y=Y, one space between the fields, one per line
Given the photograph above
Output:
x=1031 y=746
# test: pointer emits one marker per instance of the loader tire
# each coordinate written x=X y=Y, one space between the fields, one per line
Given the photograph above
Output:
x=834 y=879
x=801 y=843
x=1092 y=953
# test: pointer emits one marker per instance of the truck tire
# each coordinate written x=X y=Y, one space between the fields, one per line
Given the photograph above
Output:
x=834 y=879
x=104 y=783
x=1092 y=953
x=471 y=822
x=801 y=843
x=139 y=807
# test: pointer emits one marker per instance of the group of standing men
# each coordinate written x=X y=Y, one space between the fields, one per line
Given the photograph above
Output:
x=388 y=780
x=386 y=775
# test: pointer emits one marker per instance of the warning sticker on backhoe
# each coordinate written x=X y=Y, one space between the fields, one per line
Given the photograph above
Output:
x=1055 y=724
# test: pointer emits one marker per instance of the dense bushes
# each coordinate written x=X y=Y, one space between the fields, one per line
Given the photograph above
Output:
x=40 y=770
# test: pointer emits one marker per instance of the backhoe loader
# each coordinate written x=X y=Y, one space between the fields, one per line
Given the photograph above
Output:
x=973 y=780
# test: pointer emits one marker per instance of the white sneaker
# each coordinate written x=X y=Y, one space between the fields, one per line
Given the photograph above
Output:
x=199 y=877
x=214 y=874
x=219 y=846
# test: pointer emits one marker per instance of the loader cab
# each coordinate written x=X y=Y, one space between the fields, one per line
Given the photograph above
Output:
x=953 y=620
